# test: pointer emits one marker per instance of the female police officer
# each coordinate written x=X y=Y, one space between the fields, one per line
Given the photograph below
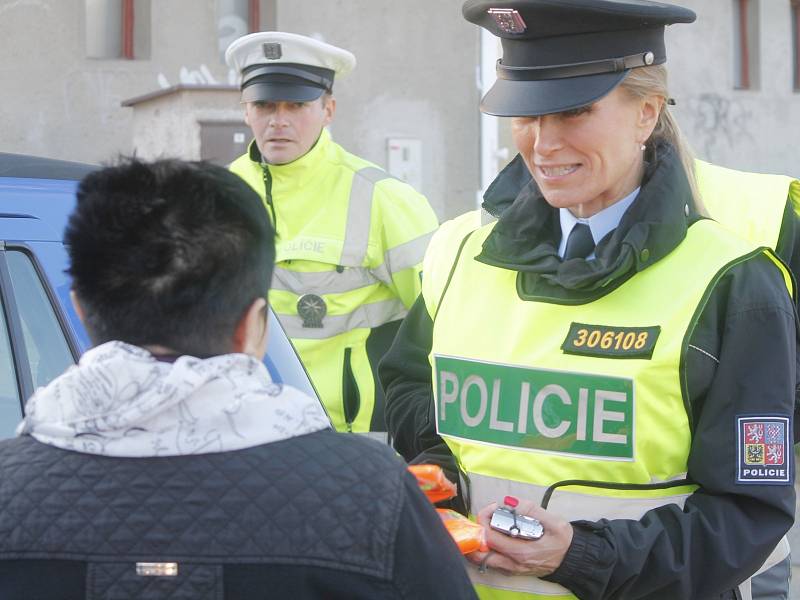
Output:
x=602 y=352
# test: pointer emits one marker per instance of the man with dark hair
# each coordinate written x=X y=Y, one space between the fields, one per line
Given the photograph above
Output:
x=178 y=257
x=167 y=464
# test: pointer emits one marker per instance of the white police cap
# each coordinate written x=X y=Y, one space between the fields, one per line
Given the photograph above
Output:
x=278 y=66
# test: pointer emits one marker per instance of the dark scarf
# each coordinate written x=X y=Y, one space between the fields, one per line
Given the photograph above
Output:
x=527 y=234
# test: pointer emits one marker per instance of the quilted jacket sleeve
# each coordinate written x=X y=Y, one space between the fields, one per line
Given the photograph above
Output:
x=427 y=561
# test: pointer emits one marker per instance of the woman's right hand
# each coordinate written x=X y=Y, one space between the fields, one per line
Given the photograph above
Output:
x=514 y=556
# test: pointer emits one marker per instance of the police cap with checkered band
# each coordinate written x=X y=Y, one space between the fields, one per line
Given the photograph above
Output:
x=563 y=54
x=277 y=66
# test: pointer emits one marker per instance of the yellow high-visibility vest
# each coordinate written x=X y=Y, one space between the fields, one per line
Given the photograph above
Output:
x=751 y=205
x=350 y=241
x=532 y=394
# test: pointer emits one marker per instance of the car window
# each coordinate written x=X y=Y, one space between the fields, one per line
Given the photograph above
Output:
x=47 y=350
x=10 y=408
x=282 y=361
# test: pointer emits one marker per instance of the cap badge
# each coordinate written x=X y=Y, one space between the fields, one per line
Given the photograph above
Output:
x=649 y=58
x=311 y=309
x=272 y=51
x=508 y=19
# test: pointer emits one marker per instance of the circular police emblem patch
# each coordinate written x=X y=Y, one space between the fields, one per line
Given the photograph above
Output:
x=311 y=309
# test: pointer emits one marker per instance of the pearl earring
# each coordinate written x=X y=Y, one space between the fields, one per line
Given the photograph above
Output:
x=643 y=148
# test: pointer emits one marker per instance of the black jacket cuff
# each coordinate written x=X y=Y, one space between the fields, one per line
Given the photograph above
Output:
x=584 y=568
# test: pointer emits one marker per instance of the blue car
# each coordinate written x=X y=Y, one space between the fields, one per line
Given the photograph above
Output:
x=40 y=334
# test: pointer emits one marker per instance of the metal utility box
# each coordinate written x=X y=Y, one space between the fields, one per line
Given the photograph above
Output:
x=222 y=141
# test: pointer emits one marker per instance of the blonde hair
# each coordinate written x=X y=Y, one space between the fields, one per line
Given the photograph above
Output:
x=646 y=81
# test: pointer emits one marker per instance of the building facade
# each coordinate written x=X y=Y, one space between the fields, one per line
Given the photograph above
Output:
x=71 y=69
x=735 y=75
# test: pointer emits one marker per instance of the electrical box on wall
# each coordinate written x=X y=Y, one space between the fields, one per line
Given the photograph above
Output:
x=404 y=160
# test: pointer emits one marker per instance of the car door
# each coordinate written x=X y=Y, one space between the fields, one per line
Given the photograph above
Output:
x=36 y=344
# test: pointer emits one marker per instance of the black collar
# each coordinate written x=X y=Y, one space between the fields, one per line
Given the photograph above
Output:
x=254 y=152
x=527 y=234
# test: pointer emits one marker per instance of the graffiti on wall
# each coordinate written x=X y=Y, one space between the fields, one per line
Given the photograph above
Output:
x=231 y=24
x=718 y=123
x=196 y=76
x=201 y=76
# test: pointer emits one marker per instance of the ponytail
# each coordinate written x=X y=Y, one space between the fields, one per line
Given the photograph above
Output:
x=652 y=80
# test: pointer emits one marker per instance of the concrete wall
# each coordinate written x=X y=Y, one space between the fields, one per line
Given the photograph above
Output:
x=416 y=77
x=746 y=129
x=58 y=103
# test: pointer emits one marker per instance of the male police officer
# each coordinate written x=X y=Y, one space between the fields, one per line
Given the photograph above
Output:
x=350 y=237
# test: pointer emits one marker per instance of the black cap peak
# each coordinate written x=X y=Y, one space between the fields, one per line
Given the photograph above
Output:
x=562 y=54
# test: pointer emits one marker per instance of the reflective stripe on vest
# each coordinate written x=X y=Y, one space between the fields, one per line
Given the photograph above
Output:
x=367 y=316
x=359 y=212
x=515 y=408
x=484 y=489
x=401 y=257
x=626 y=504
x=323 y=282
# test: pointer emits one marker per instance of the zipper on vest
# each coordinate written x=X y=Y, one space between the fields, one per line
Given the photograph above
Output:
x=351 y=398
x=268 y=194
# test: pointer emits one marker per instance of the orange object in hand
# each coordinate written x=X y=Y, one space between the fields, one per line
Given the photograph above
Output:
x=433 y=483
x=468 y=535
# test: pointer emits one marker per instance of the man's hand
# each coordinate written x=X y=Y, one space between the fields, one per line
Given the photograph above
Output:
x=525 y=557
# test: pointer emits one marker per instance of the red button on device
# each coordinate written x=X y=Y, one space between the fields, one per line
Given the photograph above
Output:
x=510 y=501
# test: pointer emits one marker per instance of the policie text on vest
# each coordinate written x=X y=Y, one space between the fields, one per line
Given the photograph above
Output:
x=571 y=413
